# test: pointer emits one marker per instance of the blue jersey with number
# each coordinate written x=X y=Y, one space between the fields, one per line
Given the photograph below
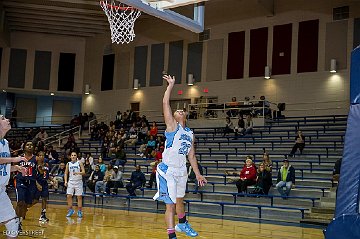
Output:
x=43 y=177
x=177 y=147
x=4 y=168
x=30 y=170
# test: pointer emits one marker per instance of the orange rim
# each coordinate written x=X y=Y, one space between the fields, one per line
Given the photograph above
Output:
x=115 y=7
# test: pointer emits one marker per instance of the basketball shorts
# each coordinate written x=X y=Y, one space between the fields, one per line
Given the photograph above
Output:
x=44 y=193
x=75 y=188
x=171 y=183
x=25 y=192
x=7 y=211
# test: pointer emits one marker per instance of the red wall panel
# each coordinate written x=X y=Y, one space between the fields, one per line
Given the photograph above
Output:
x=308 y=43
x=258 y=51
x=281 y=56
x=236 y=50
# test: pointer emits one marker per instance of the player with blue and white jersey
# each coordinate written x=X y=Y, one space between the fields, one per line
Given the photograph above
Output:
x=74 y=182
x=171 y=175
x=7 y=212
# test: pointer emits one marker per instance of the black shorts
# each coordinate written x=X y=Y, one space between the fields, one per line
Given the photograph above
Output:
x=43 y=194
x=25 y=192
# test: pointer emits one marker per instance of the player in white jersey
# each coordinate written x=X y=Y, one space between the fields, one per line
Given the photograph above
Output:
x=74 y=182
x=171 y=175
x=7 y=212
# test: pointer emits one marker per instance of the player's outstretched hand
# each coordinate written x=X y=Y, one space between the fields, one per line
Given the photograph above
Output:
x=20 y=169
x=19 y=159
x=201 y=180
x=169 y=79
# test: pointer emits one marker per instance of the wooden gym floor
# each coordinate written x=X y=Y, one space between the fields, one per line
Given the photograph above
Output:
x=105 y=223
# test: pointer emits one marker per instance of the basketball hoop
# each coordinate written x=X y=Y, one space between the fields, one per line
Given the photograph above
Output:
x=122 y=19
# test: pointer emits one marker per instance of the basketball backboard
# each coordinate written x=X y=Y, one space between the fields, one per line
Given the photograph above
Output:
x=161 y=9
x=167 y=4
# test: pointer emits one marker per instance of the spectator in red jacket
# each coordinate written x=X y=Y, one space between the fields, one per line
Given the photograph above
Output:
x=247 y=176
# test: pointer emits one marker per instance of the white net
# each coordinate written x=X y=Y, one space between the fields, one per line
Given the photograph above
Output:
x=122 y=19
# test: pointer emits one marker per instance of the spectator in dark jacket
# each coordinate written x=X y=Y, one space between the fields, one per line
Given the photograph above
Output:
x=285 y=179
x=137 y=180
x=263 y=180
x=119 y=157
x=95 y=176
x=299 y=143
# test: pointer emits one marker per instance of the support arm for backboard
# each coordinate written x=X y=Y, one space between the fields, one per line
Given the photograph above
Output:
x=196 y=25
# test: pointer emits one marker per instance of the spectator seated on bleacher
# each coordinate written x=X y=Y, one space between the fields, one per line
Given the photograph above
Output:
x=263 y=181
x=133 y=135
x=120 y=138
x=57 y=175
x=95 y=176
x=70 y=142
x=240 y=128
x=111 y=130
x=118 y=157
x=137 y=180
x=154 y=130
x=192 y=176
x=150 y=147
x=115 y=181
x=94 y=132
x=143 y=132
x=41 y=135
x=100 y=185
x=249 y=125
x=154 y=164
x=299 y=143
x=229 y=127
x=267 y=162
x=52 y=155
x=266 y=105
x=101 y=164
x=88 y=169
x=285 y=179
x=247 y=175
x=91 y=160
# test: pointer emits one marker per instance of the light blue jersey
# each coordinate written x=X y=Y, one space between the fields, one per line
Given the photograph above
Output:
x=4 y=168
x=177 y=147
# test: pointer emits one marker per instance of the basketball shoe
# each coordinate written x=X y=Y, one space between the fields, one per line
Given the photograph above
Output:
x=186 y=228
x=70 y=212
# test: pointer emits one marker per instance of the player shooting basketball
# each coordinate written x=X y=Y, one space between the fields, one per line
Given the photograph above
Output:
x=171 y=174
x=7 y=212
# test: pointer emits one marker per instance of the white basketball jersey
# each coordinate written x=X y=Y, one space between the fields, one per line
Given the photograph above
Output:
x=74 y=168
x=177 y=147
x=4 y=168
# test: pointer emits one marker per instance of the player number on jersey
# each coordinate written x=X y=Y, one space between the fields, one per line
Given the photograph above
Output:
x=28 y=171
x=3 y=170
x=184 y=149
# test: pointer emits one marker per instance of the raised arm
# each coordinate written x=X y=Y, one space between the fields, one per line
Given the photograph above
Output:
x=168 y=116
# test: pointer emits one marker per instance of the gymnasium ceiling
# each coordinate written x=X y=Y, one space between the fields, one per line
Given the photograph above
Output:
x=85 y=18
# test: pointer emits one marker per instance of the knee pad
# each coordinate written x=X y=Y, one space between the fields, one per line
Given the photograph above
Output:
x=12 y=227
